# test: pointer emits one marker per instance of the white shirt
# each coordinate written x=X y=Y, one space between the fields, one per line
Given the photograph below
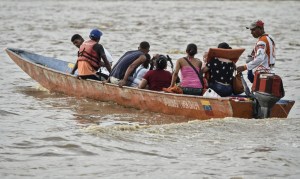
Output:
x=110 y=60
x=138 y=75
x=264 y=53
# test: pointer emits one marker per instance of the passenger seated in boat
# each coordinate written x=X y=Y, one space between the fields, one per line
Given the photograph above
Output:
x=220 y=73
x=77 y=40
x=191 y=76
x=127 y=64
x=140 y=72
x=159 y=78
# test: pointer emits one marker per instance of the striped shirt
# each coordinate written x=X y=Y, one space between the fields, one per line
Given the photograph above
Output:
x=264 y=53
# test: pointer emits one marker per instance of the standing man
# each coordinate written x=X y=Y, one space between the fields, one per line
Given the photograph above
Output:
x=127 y=64
x=263 y=54
x=89 y=56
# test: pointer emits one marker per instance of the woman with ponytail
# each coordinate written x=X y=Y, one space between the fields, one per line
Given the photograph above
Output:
x=159 y=78
x=190 y=67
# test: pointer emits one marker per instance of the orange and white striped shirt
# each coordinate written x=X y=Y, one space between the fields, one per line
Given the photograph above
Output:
x=264 y=53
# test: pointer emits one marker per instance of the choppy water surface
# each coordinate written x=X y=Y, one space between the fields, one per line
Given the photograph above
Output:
x=49 y=135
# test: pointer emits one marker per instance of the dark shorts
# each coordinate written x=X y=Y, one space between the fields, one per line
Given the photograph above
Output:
x=102 y=75
x=192 y=91
x=92 y=77
x=250 y=76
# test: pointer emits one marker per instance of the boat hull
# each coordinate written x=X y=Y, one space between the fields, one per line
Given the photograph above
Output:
x=197 y=107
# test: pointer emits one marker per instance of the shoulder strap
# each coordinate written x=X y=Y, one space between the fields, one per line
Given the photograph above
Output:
x=198 y=73
x=270 y=38
x=137 y=72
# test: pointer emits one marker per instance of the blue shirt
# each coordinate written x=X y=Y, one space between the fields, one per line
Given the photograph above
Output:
x=121 y=66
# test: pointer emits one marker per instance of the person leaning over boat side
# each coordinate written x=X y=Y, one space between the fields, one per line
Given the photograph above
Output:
x=77 y=40
x=221 y=73
x=140 y=72
x=190 y=81
x=263 y=53
x=159 y=78
x=127 y=64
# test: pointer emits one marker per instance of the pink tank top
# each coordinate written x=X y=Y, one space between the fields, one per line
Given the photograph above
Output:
x=189 y=77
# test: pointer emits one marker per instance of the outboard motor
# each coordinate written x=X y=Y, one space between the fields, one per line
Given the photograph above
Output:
x=268 y=89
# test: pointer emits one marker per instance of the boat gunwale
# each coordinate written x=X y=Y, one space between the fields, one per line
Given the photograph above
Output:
x=11 y=50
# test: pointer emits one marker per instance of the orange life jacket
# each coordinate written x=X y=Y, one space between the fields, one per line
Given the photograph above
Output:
x=87 y=53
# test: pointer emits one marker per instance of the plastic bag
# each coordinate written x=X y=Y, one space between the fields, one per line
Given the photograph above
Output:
x=211 y=93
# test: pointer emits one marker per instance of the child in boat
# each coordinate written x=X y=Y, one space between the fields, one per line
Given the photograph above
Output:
x=159 y=78
x=140 y=72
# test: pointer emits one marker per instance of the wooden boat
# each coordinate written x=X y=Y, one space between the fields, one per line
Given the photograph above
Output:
x=54 y=75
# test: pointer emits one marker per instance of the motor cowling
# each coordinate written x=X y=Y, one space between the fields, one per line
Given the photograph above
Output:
x=268 y=89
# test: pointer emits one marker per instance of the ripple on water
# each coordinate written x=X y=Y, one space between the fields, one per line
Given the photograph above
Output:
x=294 y=44
x=7 y=113
x=56 y=139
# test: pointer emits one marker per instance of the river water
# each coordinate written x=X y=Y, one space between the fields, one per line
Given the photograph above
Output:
x=50 y=135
